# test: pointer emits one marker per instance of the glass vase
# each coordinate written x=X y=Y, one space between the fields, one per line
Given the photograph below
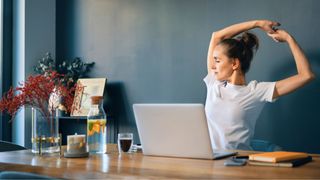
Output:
x=45 y=137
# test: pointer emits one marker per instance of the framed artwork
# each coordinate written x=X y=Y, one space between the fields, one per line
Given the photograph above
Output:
x=82 y=98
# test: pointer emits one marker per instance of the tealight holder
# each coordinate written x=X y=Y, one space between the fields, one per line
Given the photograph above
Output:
x=76 y=146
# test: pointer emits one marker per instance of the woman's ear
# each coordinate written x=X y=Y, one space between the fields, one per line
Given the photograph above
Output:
x=236 y=64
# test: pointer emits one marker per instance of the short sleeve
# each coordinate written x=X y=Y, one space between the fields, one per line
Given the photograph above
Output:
x=264 y=91
x=209 y=79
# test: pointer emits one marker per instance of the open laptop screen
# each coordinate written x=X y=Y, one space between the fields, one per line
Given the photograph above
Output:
x=178 y=130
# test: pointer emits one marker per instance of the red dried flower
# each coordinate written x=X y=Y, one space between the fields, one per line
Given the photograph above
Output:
x=35 y=92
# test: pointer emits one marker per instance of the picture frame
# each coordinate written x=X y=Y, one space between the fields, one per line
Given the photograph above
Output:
x=82 y=98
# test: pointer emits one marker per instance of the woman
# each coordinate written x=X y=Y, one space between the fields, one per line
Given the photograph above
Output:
x=233 y=105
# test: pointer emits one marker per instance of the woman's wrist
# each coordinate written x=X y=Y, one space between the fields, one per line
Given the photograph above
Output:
x=256 y=24
x=290 y=39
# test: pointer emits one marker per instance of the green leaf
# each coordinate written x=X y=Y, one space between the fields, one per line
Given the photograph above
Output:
x=90 y=125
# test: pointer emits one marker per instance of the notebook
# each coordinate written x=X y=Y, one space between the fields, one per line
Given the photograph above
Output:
x=290 y=163
x=175 y=130
x=277 y=156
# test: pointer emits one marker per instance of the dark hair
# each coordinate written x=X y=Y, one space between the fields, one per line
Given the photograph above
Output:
x=243 y=48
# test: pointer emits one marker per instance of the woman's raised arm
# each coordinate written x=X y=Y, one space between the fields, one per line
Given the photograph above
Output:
x=234 y=30
x=304 y=74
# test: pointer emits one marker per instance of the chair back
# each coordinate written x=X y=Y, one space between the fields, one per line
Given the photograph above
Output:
x=22 y=175
x=8 y=146
x=262 y=145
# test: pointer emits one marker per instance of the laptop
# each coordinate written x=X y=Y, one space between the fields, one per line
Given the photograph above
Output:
x=175 y=130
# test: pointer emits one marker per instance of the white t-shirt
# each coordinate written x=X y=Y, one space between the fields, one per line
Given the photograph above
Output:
x=232 y=111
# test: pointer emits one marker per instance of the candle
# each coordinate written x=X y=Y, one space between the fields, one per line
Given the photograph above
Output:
x=76 y=144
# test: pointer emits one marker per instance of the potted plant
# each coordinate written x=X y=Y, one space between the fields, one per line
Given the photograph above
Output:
x=71 y=70
x=35 y=92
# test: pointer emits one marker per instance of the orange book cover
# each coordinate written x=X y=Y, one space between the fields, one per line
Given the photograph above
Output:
x=277 y=156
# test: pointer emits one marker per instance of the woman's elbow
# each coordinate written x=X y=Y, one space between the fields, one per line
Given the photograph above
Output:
x=218 y=36
x=309 y=77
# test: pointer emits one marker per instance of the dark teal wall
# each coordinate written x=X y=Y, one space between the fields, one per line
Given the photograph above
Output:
x=156 y=50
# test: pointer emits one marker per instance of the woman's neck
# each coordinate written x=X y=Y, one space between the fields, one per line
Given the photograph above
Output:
x=237 y=78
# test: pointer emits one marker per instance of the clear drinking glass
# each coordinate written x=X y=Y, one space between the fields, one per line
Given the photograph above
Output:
x=125 y=141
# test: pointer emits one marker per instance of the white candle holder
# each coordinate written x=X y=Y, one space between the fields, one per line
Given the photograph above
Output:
x=76 y=146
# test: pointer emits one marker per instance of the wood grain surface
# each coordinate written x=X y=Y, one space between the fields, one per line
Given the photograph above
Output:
x=136 y=165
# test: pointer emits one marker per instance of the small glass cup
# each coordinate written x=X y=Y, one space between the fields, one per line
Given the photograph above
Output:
x=125 y=141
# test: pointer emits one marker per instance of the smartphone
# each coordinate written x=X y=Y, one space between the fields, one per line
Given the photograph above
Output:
x=235 y=162
x=241 y=157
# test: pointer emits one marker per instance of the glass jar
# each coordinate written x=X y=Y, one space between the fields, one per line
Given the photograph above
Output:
x=97 y=126
x=44 y=135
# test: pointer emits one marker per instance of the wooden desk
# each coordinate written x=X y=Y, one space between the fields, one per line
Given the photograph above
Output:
x=136 y=165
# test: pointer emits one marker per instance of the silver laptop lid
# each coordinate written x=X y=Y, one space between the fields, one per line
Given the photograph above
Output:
x=178 y=130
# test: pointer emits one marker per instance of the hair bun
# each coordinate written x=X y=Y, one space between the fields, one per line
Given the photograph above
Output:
x=242 y=47
x=250 y=40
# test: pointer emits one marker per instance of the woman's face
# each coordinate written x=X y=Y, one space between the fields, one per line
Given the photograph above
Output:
x=222 y=65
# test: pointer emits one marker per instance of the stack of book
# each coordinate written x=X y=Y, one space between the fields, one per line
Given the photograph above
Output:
x=279 y=158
